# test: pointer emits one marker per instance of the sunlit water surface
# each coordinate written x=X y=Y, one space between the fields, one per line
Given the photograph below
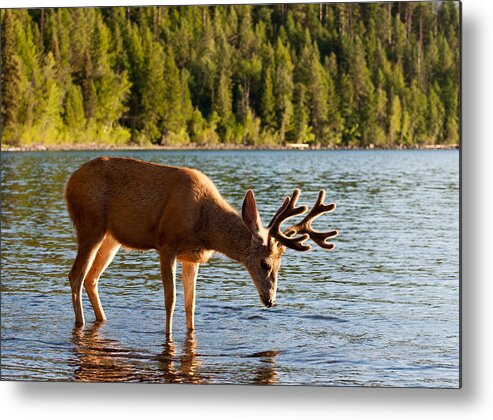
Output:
x=382 y=309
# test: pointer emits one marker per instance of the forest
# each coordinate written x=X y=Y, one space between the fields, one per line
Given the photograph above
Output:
x=328 y=74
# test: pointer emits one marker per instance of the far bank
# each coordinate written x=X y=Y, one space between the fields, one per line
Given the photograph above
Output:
x=294 y=146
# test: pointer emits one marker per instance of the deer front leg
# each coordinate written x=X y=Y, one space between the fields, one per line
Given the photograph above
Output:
x=168 y=268
x=189 y=275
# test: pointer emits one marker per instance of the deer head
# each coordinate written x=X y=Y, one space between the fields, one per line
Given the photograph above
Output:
x=269 y=243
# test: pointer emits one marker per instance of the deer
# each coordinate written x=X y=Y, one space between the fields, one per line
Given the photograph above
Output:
x=177 y=211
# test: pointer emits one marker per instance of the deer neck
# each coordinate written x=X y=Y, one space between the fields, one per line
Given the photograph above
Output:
x=227 y=233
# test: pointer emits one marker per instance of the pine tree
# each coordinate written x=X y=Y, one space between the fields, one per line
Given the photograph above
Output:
x=174 y=118
x=318 y=96
x=283 y=90
x=153 y=88
x=186 y=101
x=10 y=76
x=204 y=68
x=88 y=88
x=395 y=122
x=302 y=132
x=351 y=74
x=73 y=114
x=359 y=72
x=223 y=99
x=111 y=88
x=381 y=116
x=369 y=121
x=248 y=65
x=436 y=113
x=138 y=75
x=418 y=110
x=351 y=133
x=267 y=105
x=30 y=73
x=49 y=112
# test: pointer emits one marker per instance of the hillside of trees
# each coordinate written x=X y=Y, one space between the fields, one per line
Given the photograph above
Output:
x=347 y=74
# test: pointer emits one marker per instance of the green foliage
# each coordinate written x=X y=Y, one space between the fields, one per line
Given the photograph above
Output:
x=382 y=74
x=283 y=89
x=74 y=108
x=302 y=130
x=395 y=122
x=11 y=69
x=267 y=105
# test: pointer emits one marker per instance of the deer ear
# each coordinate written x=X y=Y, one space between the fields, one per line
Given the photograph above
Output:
x=250 y=214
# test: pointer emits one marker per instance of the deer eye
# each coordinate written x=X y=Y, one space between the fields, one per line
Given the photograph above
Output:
x=265 y=265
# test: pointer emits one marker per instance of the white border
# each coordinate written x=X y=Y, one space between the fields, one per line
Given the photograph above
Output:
x=128 y=401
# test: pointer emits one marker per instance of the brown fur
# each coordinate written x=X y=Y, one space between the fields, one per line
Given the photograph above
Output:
x=177 y=211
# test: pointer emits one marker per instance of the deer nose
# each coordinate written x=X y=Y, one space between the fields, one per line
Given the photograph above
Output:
x=268 y=303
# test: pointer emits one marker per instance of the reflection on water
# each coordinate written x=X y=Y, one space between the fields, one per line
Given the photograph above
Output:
x=187 y=362
x=97 y=358
x=266 y=374
x=100 y=359
x=382 y=309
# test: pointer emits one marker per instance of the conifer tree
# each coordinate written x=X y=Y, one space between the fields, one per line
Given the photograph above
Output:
x=385 y=74
x=302 y=132
x=174 y=118
x=223 y=101
x=283 y=90
x=348 y=111
x=153 y=89
x=111 y=88
x=395 y=122
x=10 y=77
x=49 y=107
x=333 y=133
x=267 y=105
x=436 y=113
x=73 y=114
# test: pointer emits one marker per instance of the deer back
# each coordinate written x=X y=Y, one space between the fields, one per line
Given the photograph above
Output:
x=143 y=205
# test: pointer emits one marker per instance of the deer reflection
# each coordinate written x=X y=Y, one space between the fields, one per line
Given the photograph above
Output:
x=100 y=359
x=266 y=373
x=189 y=363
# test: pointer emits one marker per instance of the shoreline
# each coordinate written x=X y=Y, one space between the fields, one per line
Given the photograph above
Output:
x=95 y=147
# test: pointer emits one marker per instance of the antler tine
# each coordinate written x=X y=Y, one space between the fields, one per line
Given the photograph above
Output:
x=285 y=212
x=305 y=225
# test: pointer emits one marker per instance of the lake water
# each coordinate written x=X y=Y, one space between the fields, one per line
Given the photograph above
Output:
x=382 y=309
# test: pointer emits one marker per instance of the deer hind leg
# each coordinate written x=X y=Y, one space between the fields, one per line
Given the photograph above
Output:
x=88 y=246
x=189 y=276
x=105 y=254
x=168 y=269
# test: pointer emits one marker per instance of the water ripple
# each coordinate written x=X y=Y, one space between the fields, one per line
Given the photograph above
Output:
x=380 y=310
